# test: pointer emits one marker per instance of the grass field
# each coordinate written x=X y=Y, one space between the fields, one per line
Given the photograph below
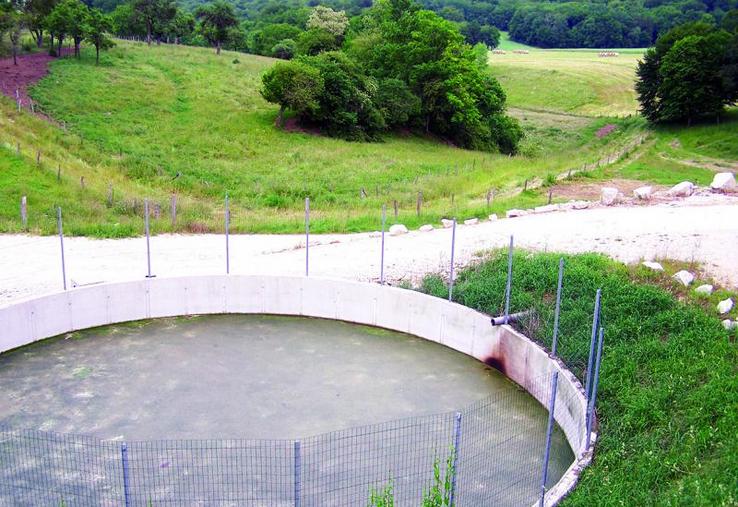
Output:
x=153 y=122
x=162 y=120
x=668 y=388
x=506 y=44
x=569 y=81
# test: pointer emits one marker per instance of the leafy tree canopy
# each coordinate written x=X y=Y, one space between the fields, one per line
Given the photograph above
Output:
x=406 y=67
x=216 y=21
x=690 y=73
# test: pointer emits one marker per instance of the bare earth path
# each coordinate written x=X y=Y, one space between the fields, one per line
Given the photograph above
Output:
x=703 y=229
x=30 y=69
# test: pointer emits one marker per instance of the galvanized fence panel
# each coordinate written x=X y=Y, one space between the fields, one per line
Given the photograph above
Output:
x=343 y=467
x=39 y=468
x=498 y=441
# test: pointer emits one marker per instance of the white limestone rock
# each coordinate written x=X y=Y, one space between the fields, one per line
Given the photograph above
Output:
x=730 y=324
x=684 y=277
x=493 y=217
x=704 y=289
x=683 y=189
x=471 y=221
x=724 y=182
x=725 y=306
x=546 y=209
x=397 y=230
x=512 y=213
x=609 y=196
x=426 y=228
x=447 y=224
x=580 y=204
x=656 y=266
x=643 y=193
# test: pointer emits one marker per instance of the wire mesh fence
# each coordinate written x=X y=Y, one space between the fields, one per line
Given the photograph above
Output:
x=497 y=442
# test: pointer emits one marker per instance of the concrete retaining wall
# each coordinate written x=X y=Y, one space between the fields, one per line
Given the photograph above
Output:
x=433 y=319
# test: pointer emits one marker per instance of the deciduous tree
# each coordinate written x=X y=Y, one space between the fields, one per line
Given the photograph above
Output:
x=325 y=18
x=216 y=20
x=98 y=27
x=688 y=74
x=153 y=14
x=35 y=15
x=294 y=85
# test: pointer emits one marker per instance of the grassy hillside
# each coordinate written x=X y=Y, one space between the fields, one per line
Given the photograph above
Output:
x=506 y=44
x=569 y=81
x=153 y=121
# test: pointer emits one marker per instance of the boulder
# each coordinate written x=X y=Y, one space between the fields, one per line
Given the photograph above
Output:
x=653 y=265
x=426 y=228
x=725 y=306
x=471 y=221
x=447 y=224
x=643 y=193
x=580 y=204
x=493 y=217
x=683 y=189
x=730 y=324
x=512 y=213
x=705 y=289
x=397 y=229
x=546 y=209
x=724 y=182
x=684 y=277
x=609 y=195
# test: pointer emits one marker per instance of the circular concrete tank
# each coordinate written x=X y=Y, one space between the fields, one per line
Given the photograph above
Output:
x=257 y=376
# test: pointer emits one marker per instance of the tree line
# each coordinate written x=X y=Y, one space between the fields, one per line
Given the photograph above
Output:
x=395 y=66
x=59 y=19
x=691 y=72
x=543 y=23
x=280 y=29
x=584 y=23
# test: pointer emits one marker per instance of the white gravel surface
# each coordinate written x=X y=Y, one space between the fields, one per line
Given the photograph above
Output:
x=699 y=228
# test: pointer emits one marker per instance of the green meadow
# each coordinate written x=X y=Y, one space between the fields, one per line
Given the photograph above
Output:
x=152 y=123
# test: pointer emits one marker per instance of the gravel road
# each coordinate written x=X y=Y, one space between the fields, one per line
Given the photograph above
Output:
x=699 y=228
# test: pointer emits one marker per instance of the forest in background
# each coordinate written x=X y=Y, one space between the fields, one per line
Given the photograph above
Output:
x=546 y=24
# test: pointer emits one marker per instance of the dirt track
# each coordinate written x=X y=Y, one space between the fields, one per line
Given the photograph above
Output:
x=703 y=229
x=29 y=70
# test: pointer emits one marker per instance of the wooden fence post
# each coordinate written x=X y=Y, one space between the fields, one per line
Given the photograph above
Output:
x=24 y=213
x=173 y=209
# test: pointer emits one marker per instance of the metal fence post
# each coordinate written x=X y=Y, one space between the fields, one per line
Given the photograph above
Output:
x=453 y=248
x=457 y=441
x=381 y=262
x=596 y=381
x=595 y=325
x=307 y=236
x=61 y=244
x=508 y=286
x=126 y=478
x=549 y=431
x=555 y=340
x=227 y=226
x=148 y=244
x=298 y=473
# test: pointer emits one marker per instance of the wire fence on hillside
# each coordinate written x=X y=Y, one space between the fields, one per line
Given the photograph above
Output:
x=496 y=447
